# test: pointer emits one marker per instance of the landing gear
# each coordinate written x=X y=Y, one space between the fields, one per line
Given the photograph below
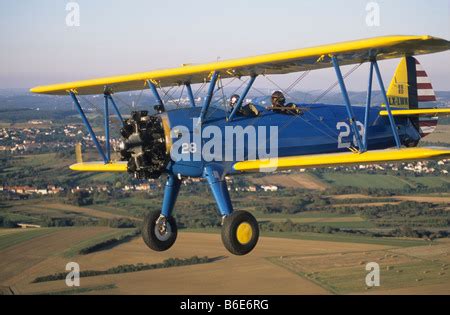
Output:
x=240 y=233
x=160 y=228
x=159 y=232
x=240 y=230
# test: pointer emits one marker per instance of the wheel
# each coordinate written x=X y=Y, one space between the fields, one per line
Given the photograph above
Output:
x=159 y=233
x=240 y=233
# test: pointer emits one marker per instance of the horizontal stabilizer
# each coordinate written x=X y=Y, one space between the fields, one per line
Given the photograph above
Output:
x=434 y=112
x=337 y=159
x=101 y=167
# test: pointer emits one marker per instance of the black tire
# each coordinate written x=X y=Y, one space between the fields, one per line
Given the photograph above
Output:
x=242 y=221
x=153 y=239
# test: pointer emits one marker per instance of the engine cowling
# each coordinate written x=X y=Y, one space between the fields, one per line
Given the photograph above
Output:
x=144 y=145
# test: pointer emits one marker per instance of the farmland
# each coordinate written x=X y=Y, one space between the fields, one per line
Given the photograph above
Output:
x=302 y=181
x=440 y=135
x=366 y=181
x=303 y=266
x=411 y=268
x=318 y=231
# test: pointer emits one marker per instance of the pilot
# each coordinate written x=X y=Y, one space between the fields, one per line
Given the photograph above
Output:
x=248 y=110
x=233 y=101
x=279 y=105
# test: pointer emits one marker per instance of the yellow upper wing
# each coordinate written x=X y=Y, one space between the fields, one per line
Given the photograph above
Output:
x=353 y=52
x=335 y=159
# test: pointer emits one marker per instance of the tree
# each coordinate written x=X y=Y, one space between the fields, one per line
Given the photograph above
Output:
x=80 y=198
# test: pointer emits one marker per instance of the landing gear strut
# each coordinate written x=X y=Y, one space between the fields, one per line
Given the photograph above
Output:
x=160 y=228
x=240 y=233
x=159 y=232
x=240 y=230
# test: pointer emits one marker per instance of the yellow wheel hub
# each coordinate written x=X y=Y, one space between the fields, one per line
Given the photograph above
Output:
x=244 y=233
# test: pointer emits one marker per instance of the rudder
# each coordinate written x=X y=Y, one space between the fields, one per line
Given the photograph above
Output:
x=411 y=88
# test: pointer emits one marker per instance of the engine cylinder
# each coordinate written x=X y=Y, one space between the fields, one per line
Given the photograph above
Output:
x=144 y=145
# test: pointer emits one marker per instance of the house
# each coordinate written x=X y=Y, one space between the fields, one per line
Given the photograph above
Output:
x=36 y=122
x=270 y=188
x=251 y=189
x=128 y=188
x=143 y=187
x=28 y=226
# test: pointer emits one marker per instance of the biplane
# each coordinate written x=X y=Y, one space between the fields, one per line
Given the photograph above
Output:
x=312 y=136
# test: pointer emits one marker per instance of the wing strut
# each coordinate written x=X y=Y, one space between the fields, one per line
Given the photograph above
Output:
x=152 y=87
x=209 y=96
x=107 y=136
x=88 y=126
x=190 y=94
x=348 y=105
x=242 y=98
x=367 y=113
x=108 y=95
x=388 y=105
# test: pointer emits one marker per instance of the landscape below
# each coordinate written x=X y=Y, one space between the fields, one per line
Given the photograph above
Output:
x=320 y=227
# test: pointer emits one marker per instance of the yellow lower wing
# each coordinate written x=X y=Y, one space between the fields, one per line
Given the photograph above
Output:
x=114 y=167
x=326 y=160
x=305 y=161
x=435 y=112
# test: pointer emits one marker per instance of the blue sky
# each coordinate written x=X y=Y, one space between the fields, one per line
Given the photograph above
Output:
x=119 y=37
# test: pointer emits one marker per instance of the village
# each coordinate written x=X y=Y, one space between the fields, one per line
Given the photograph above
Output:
x=43 y=136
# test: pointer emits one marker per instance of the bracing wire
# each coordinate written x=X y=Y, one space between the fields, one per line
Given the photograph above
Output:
x=113 y=123
x=200 y=89
x=299 y=79
x=336 y=84
x=312 y=125
x=323 y=94
x=139 y=98
x=181 y=97
x=123 y=102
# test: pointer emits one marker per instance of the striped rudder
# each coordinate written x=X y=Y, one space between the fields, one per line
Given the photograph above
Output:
x=411 y=88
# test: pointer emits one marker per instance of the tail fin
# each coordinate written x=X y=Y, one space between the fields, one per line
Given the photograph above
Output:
x=411 y=88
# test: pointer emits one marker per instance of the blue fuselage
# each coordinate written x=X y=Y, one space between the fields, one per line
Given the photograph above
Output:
x=321 y=129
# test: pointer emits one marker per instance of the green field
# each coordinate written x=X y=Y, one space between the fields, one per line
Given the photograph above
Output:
x=115 y=210
x=76 y=291
x=315 y=218
x=76 y=248
x=52 y=168
x=339 y=238
x=345 y=273
x=8 y=239
x=383 y=181
x=431 y=181
x=366 y=181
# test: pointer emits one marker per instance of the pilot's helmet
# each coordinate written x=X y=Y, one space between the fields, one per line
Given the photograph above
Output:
x=234 y=99
x=278 y=99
